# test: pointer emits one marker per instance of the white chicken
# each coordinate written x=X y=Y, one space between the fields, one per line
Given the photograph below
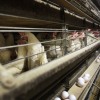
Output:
x=55 y=51
x=90 y=38
x=77 y=44
x=34 y=51
x=73 y=42
x=16 y=67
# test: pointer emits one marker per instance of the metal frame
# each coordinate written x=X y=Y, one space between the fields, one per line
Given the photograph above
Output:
x=66 y=4
x=40 y=14
x=53 y=70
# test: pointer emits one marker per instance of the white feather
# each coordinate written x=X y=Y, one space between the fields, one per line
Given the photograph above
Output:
x=35 y=49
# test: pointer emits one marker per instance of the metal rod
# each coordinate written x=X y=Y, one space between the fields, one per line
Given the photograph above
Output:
x=7 y=47
x=14 y=46
x=92 y=37
x=96 y=86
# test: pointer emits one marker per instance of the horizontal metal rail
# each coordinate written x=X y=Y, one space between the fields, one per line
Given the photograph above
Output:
x=84 y=9
x=29 y=17
x=96 y=86
x=71 y=7
x=14 y=46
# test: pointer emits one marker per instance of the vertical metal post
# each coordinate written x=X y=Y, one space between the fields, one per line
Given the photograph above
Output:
x=64 y=35
x=56 y=48
x=85 y=39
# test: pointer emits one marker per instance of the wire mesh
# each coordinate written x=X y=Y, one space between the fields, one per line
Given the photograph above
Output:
x=60 y=46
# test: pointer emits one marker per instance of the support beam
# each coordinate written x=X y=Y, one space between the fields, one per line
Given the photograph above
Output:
x=36 y=14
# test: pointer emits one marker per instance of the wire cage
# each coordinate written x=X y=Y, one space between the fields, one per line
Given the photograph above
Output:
x=34 y=48
x=45 y=45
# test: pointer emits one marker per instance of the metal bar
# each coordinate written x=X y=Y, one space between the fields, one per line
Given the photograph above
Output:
x=68 y=5
x=96 y=86
x=88 y=11
x=7 y=47
x=26 y=28
x=30 y=16
x=91 y=36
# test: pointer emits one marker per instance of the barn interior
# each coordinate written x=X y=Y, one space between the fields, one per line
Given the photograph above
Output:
x=50 y=50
